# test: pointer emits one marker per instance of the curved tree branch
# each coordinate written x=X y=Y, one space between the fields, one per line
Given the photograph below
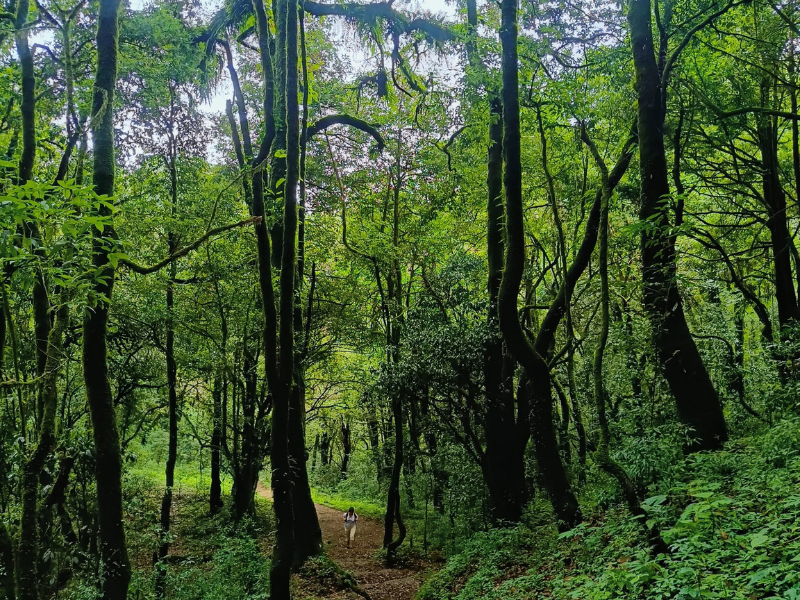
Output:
x=124 y=262
x=371 y=13
x=330 y=120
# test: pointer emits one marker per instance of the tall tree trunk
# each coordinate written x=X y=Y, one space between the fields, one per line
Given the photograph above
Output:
x=561 y=495
x=775 y=200
x=215 y=492
x=7 y=560
x=28 y=104
x=346 y=447
x=116 y=571
x=172 y=385
x=41 y=303
x=603 y=455
x=393 y=514
x=307 y=531
x=220 y=398
x=27 y=554
x=696 y=399
x=506 y=423
x=394 y=326
x=281 y=385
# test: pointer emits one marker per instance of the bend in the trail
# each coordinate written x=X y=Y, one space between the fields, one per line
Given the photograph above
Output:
x=380 y=582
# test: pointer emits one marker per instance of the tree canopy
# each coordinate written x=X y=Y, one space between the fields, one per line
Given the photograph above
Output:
x=514 y=278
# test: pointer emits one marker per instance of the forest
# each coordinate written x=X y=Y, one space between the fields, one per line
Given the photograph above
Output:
x=516 y=280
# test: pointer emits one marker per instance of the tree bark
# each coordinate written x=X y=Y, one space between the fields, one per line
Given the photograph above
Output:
x=27 y=554
x=28 y=104
x=215 y=492
x=506 y=422
x=563 y=499
x=780 y=236
x=115 y=567
x=308 y=534
x=346 y=448
x=696 y=399
x=172 y=385
x=603 y=455
x=392 y=516
x=281 y=385
x=7 y=558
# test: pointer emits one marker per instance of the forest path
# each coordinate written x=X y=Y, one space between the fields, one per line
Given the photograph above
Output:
x=371 y=574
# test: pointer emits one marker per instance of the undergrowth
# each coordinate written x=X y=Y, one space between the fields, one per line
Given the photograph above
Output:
x=730 y=519
x=210 y=558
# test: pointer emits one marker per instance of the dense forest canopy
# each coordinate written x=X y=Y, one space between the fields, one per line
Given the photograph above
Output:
x=517 y=280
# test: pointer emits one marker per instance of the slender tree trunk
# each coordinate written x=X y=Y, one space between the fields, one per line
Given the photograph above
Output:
x=563 y=424
x=315 y=453
x=282 y=384
x=561 y=495
x=220 y=398
x=7 y=558
x=41 y=303
x=28 y=104
x=506 y=423
x=392 y=516
x=577 y=417
x=323 y=448
x=172 y=385
x=115 y=567
x=215 y=493
x=780 y=236
x=346 y=448
x=307 y=534
x=249 y=458
x=394 y=322
x=603 y=455
x=696 y=399
x=27 y=554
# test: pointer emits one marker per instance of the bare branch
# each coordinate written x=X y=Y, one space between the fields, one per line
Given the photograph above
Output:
x=185 y=250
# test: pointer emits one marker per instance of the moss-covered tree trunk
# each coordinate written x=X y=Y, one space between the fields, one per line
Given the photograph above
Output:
x=393 y=309
x=282 y=382
x=506 y=425
x=27 y=554
x=506 y=421
x=41 y=303
x=115 y=566
x=7 y=558
x=546 y=445
x=775 y=202
x=172 y=388
x=393 y=514
x=603 y=454
x=215 y=490
x=696 y=399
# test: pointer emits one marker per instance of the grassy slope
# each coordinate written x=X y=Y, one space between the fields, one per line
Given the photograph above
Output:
x=731 y=519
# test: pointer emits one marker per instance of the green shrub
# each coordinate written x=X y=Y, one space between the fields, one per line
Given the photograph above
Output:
x=731 y=518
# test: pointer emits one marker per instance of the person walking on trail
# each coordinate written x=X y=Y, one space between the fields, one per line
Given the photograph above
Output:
x=350 y=520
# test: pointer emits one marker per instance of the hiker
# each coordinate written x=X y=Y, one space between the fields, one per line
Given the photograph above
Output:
x=350 y=520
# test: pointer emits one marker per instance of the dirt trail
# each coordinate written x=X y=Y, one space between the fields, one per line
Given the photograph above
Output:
x=371 y=574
